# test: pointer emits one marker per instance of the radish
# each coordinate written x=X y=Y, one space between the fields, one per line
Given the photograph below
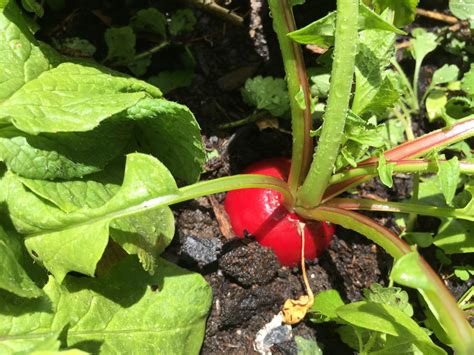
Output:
x=261 y=213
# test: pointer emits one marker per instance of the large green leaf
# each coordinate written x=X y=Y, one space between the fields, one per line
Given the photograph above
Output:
x=22 y=57
x=72 y=98
x=55 y=237
x=63 y=155
x=13 y=277
x=146 y=234
x=125 y=311
x=170 y=132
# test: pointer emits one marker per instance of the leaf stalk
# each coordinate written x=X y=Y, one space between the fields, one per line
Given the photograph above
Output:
x=311 y=192
x=297 y=80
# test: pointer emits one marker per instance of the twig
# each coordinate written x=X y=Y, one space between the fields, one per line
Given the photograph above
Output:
x=151 y=51
x=437 y=16
x=251 y=118
x=222 y=218
x=142 y=55
x=222 y=12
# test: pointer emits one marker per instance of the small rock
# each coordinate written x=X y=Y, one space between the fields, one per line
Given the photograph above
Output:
x=250 y=265
x=203 y=251
x=272 y=333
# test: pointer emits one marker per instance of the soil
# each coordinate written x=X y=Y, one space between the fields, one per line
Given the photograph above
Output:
x=249 y=285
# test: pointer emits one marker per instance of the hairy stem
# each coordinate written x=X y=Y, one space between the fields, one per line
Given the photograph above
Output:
x=312 y=190
x=297 y=79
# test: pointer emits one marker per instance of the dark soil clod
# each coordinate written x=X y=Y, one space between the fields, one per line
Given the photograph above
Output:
x=250 y=265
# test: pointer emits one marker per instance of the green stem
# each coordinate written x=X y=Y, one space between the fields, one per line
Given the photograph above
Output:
x=440 y=301
x=402 y=166
x=186 y=193
x=401 y=207
x=412 y=217
x=413 y=100
x=416 y=76
x=297 y=79
x=370 y=343
x=438 y=139
x=312 y=190
x=409 y=128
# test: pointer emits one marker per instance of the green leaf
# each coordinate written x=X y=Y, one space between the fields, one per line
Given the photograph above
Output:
x=72 y=97
x=296 y=2
x=467 y=84
x=462 y=9
x=445 y=74
x=71 y=195
x=389 y=320
x=459 y=107
x=374 y=90
x=55 y=236
x=405 y=10
x=393 y=296
x=385 y=171
x=33 y=6
x=406 y=271
x=63 y=155
x=139 y=67
x=393 y=132
x=325 y=305
x=22 y=56
x=421 y=239
x=359 y=136
x=320 y=82
x=182 y=20
x=145 y=234
x=464 y=272
x=76 y=45
x=169 y=80
x=455 y=236
x=448 y=177
x=370 y=20
x=320 y=32
x=307 y=347
x=120 y=43
x=170 y=132
x=126 y=309
x=267 y=93
x=422 y=44
x=149 y=20
x=13 y=277
x=435 y=103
